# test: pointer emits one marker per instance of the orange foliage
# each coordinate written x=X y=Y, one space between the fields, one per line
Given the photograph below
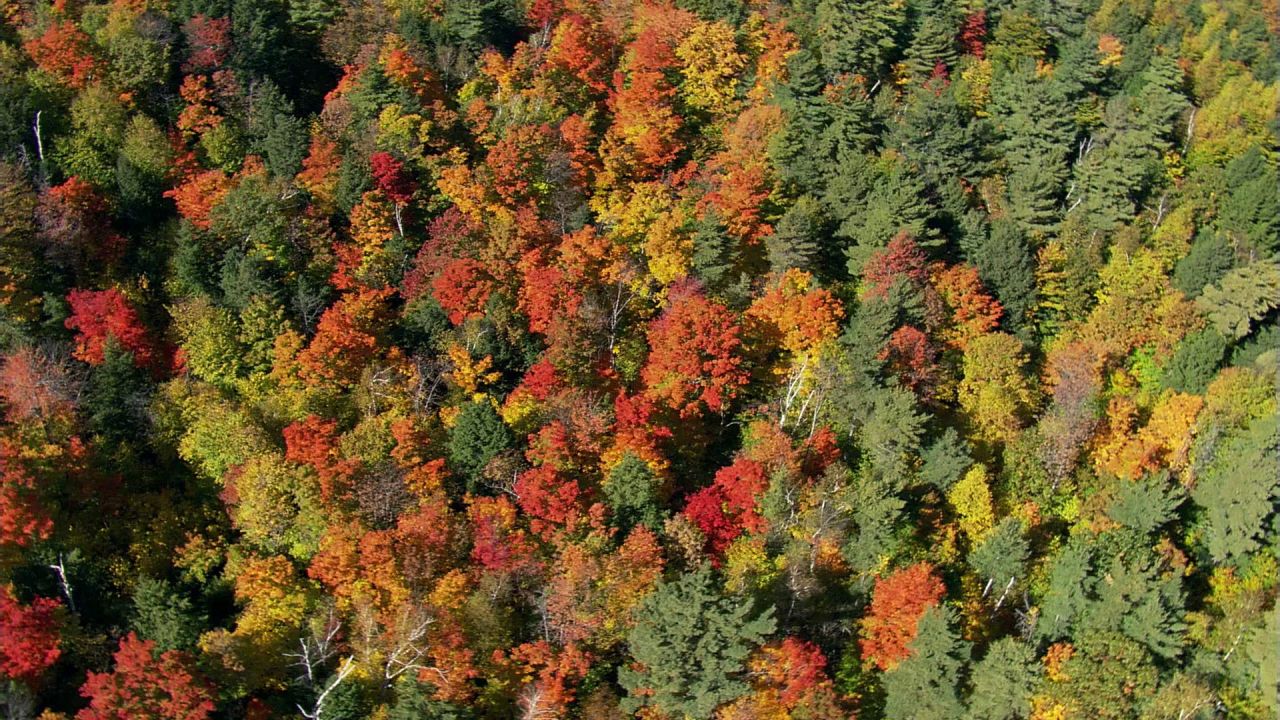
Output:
x=897 y=604
x=64 y=51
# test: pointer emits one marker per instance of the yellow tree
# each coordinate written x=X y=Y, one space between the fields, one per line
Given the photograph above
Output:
x=994 y=393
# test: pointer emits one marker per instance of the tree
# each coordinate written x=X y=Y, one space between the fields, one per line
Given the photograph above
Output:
x=147 y=686
x=1195 y=362
x=163 y=615
x=689 y=647
x=1000 y=559
x=897 y=604
x=857 y=36
x=994 y=393
x=29 y=636
x=1005 y=264
x=1246 y=295
x=100 y=314
x=478 y=436
x=693 y=359
x=1250 y=213
x=924 y=686
x=1003 y=681
x=1239 y=491
x=632 y=492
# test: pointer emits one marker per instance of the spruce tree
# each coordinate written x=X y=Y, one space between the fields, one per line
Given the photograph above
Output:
x=690 y=644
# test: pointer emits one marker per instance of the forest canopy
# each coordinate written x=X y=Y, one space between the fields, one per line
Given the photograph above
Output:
x=658 y=359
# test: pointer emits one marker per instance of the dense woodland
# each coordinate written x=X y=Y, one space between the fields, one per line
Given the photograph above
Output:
x=669 y=359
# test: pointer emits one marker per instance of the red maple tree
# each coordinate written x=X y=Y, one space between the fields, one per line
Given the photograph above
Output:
x=147 y=686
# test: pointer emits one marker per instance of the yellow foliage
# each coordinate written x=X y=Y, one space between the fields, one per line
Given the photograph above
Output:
x=971 y=499
x=470 y=374
x=710 y=64
x=668 y=247
x=747 y=565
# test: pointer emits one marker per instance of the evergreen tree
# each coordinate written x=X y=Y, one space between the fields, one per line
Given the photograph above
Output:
x=1250 y=212
x=1003 y=682
x=691 y=644
x=1209 y=259
x=858 y=36
x=477 y=437
x=632 y=494
x=1004 y=261
x=1239 y=491
x=165 y=616
x=925 y=686
x=1195 y=362
x=1000 y=559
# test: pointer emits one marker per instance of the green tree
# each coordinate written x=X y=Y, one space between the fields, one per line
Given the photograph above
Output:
x=1003 y=682
x=925 y=686
x=944 y=460
x=858 y=36
x=161 y=613
x=1244 y=296
x=1001 y=559
x=1195 y=361
x=1239 y=491
x=690 y=644
x=1208 y=260
x=1250 y=212
x=477 y=437
x=1004 y=261
x=632 y=494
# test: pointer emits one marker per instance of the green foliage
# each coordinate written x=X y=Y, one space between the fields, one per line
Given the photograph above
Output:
x=926 y=685
x=632 y=494
x=1250 y=212
x=1194 y=363
x=944 y=460
x=691 y=644
x=477 y=437
x=1239 y=491
x=1003 y=682
x=165 y=615
x=1210 y=258
x=1244 y=296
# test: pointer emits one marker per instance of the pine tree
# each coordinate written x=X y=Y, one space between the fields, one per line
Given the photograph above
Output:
x=1003 y=682
x=925 y=686
x=1239 y=491
x=690 y=645
x=858 y=36
x=632 y=494
x=478 y=436
x=1005 y=263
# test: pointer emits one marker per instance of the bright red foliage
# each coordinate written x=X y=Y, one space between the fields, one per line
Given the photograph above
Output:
x=99 y=314
x=22 y=519
x=146 y=686
x=498 y=544
x=549 y=498
x=727 y=508
x=693 y=359
x=912 y=358
x=391 y=177
x=29 y=636
x=314 y=441
x=973 y=34
x=795 y=666
x=897 y=603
